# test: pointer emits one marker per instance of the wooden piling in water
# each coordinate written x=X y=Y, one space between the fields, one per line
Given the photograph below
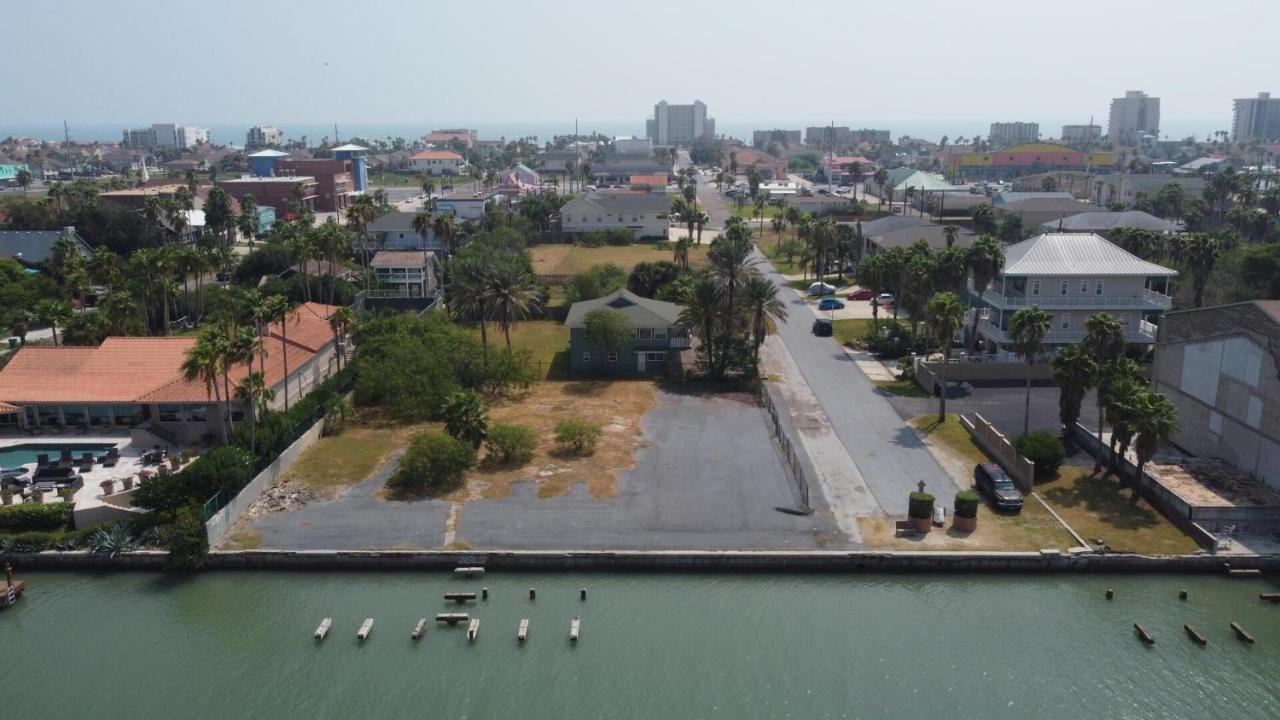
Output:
x=468 y=571
x=1110 y=593
x=582 y=594
x=460 y=597
x=522 y=632
x=575 y=625
x=419 y=630
x=1143 y=634
x=484 y=593
x=473 y=629
x=452 y=618
x=533 y=594
x=365 y=628
x=1182 y=594
x=1195 y=635
x=1241 y=634
x=323 y=628
x=1269 y=597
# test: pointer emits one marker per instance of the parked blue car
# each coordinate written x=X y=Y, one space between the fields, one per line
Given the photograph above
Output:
x=831 y=304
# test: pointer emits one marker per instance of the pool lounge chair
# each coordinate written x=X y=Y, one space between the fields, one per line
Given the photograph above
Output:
x=42 y=460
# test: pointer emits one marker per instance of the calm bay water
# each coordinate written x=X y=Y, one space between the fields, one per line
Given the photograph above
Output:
x=238 y=645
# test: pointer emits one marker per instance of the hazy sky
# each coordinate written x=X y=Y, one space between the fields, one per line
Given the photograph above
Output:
x=267 y=61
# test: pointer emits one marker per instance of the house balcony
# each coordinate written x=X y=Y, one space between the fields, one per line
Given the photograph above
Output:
x=1146 y=300
x=1142 y=332
x=681 y=343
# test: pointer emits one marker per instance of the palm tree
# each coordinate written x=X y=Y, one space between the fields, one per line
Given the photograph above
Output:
x=951 y=232
x=760 y=203
x=701 y=309
x=468 y=296
x=1199 y=253
x=1154 y=421
x=945 y=316
x=204 y=362
x=511 y=293
x=24 y=179
x=761 y=299
x=986 y=260
x=446 y=229
x=254 y=394
x=881 y=178
x=1104 y=340
x=282 y=309
x=55 y=313
x=778 y=223
x=1028 y=327
x=341 y=321
x=871 y=275
x=360 y=213
x=1075 y=370
x=681 y=253
x=731 y=263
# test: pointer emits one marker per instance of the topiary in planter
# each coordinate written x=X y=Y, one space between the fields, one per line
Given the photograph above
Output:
x=920 y=510
x=965 y=517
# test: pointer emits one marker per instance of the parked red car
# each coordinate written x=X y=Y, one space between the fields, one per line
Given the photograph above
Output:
x=859 y=295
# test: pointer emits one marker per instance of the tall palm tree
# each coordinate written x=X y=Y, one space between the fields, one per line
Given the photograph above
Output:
x=55 y=313
x=945 y=316
x=511 y=293
x=341 y=321
x=760 y=203
x=446 y=229
x=778 y=223
x=203 y=362
x=881 y=178
x=760 y=296
x=1028 y=328
x=360 y=213
x=871 y=275
x=681 y=253
x=254 y=394
x=282 y=311
x=702 y=303
x=1154 y=421
x=1075 y=370
x=986 y=261
x=467 y=292
x=423 y=224
x=951 y=232
x=1200 y=253
x=1104 y=340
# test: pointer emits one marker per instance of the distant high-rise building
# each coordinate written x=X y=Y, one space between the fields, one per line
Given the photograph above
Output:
x=164 y=136
x=262 y=136
x=1081 y=133
x=1256 y=118
x=762 y=138
x=828 y=137
x=1004 y=134
x=867 y=135
x=679 y=124
x=1133 y=115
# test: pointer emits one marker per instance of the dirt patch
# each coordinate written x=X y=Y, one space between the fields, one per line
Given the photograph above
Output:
x=1212 y=483
x=617 y=406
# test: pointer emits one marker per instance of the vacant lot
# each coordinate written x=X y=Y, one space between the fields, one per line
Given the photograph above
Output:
x=564 y=259
x=1098 y=507
x=546 y=340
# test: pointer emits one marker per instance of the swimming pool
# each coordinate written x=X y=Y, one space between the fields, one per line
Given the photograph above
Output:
x=26 y=453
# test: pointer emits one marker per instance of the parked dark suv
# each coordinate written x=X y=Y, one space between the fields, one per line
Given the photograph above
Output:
x=991 y=480
x=822 y=327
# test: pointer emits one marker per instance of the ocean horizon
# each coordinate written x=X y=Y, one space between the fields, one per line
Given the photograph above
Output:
x=234 y=133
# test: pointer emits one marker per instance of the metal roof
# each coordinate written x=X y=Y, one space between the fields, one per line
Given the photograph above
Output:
x=269 y=153
x=641 y=311
x=1103 y=221
x=1076 y=254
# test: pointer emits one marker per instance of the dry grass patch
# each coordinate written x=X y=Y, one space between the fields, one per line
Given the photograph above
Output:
x=1097 y=506
x=350 y=457
x=617 y=406
x=243 y=540
x=564 y=259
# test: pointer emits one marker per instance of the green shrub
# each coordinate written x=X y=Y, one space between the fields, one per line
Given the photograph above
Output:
x=578 y=436
x=466 y=418
x=920 y=505
x=510 y=445
x=967 y=504
x=619 y=236
x=593 y=239
x=186 y=540
x=35 y=517
x=1042 y=448
x=434 y=464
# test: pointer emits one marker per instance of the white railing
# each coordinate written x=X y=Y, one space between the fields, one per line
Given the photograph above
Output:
x=1149 y=299
x=1143 y=332
x=680 y=342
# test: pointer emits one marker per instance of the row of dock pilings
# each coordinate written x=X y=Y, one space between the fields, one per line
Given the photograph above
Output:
x=1195 y=635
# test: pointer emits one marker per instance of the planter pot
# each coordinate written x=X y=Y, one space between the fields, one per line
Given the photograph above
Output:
x=106 y=486
x=921 y=525
x=175 y=463
x=128 y=483
x=964 y=524
x=7 y=498
x=36 y=497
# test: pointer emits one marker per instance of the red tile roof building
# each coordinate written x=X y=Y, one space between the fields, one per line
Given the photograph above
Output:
x=128 y=381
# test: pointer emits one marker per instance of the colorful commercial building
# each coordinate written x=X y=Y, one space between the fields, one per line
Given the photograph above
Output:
x=1027 y=159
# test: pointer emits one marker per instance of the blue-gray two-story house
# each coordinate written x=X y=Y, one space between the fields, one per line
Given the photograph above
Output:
x=655 y=345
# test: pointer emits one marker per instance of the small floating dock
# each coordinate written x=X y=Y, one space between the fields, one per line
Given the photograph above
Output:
x=1269 y=597
x=460 y=597
x=522 y=633
x=1143 y=634
x=365 y=628
x=468 y=571
x=452 y=618
x=1195 y=635
x=473 y=629
x=419 y=630
x=323 y=629
x=1242 y=572
x=1241 y=634
x=575 y=626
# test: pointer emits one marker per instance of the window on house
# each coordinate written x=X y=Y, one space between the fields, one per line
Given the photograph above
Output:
x=1035 y=288
x=659 y=333
x=613 y=357
x=1097 y=288
x=1062 y=288
x=1084 y=287
x=655 y=357
x=644 y=334
x=1066 y=321
x=586 y=357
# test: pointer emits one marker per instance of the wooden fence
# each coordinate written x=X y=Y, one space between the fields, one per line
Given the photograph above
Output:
x=1022 y=470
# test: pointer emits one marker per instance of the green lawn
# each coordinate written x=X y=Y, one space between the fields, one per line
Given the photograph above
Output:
x=377 y=180
x=769 y=246
x=857 y=328
x=748 y=212
x=1098 y=507
x=901 y=388
x=546 y=340
x=565 y=259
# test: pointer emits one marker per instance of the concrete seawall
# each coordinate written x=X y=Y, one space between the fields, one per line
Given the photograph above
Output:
x=674 y=561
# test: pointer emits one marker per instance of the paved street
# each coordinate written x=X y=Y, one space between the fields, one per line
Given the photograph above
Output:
x=886 y=454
